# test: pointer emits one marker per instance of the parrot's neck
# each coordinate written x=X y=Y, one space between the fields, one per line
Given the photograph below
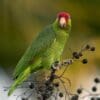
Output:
x=61 y=34
x=61 y=38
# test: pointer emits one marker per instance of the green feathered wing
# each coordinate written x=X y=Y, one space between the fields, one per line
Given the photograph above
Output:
x=31 y=60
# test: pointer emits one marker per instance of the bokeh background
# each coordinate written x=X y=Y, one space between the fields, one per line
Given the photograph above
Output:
x=21 y=20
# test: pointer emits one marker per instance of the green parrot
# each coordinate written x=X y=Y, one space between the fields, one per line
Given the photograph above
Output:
x=44 y=50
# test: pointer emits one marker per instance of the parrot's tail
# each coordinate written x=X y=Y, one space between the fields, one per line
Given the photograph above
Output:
x=23 y=76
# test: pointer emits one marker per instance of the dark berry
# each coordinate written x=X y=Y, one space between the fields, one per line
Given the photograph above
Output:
x=65 y=62
x=56 y=64
x=62 y=64
x=79 y=91
x=84 y=61
x=52 y=68
x=56 y=84
x=31 y=85
x=80 y=54
x=92 y=48
x=61 y=94
x=87 y=46
x=24 y=98
x=75 y=97
x=50 y=88
x=76 y=55
x=92 y=98
x=56 y=61
x=94 y=89
x=96 y=80
x=45 y=96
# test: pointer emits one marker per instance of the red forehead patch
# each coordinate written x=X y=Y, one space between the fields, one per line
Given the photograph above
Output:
x=63 y=14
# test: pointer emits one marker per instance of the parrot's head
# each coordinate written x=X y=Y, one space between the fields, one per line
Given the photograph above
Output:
x=63 y=20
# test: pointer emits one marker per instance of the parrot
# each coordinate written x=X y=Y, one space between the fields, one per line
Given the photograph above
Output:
x=44 y=50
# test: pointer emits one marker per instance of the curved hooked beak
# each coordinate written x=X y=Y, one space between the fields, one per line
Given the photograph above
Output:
x=62 y=22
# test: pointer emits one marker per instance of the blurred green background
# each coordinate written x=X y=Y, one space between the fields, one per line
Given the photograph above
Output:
x=21 y=20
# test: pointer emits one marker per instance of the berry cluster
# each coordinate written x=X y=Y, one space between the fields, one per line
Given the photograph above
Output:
x=78 y=55
x=50 y=87
x=90 y=95
x=46 y=90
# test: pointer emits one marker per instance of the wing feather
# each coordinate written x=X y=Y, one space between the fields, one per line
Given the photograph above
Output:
x=36 y=49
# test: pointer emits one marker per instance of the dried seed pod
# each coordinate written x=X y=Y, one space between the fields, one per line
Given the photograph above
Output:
x=61 y=94
x=87 y=46
x=94 y=88
x=97 y=80
x=74 y=97
x=79 y=91
x=76 y=55
x=92 y=48
x=84 y=61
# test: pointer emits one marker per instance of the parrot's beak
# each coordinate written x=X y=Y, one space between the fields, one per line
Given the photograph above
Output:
x=62 y=22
